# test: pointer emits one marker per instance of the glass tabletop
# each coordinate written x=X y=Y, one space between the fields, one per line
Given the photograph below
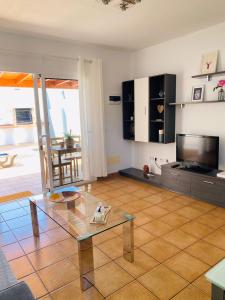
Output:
x=216 y=275
x=76 y=220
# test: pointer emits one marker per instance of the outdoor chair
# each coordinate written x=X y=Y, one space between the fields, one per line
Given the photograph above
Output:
x=75 y=157
x=9 y=162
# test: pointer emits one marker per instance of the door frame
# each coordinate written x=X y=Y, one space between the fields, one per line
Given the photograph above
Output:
x=43 y=137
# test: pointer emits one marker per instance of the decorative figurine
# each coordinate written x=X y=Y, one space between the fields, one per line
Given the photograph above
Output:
x=146 y=171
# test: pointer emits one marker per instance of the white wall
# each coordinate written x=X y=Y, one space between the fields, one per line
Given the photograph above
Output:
x=17 y=135
x=58 y=59
x=60 y=102
x=63 y=111
x=11 y=98
x=182 y=57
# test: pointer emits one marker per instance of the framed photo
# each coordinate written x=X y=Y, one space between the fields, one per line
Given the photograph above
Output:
x=209 y=62
x=198 y=93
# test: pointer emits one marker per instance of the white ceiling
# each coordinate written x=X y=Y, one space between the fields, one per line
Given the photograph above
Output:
x=147 y=23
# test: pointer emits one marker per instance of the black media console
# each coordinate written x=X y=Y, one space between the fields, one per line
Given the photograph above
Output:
x=204 y=186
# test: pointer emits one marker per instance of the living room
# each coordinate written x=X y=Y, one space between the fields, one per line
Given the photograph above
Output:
x=147 y=220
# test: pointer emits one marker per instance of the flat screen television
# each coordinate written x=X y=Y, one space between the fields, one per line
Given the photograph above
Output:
x=197 y=151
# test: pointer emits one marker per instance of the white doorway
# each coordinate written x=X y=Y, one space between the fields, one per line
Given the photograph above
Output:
x=19 y=155
x=36 y=115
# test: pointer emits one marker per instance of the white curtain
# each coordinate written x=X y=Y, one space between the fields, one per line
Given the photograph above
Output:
x=92 y=118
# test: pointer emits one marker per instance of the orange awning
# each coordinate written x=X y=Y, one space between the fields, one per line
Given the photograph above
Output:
x=25 y=80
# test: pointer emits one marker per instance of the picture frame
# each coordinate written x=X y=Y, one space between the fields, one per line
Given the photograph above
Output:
x=198 y=93
x=209 y=62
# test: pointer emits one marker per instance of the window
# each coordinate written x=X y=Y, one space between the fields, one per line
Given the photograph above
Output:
x=24 y=116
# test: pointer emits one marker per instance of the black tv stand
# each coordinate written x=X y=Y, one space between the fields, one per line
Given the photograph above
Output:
x=199 y=183
x=204 y=186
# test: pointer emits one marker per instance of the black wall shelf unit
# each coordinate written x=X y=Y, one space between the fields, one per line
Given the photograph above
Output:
x=128 y=109
x=162 y=84
x=162 y=91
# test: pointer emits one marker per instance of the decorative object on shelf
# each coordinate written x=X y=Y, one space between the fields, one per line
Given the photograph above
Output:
x=209 y=62
x=197 y=93
x=220 y=86
x=146 y=171
x=221 y=95
x=161 y=135
x=161 y=93
x=160 y=108
x=69 y=139
x=124 y=4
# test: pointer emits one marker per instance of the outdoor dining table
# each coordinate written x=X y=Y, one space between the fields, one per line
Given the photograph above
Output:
x=59 y=151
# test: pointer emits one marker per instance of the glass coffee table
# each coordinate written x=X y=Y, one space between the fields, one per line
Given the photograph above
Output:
x=74 y=217
x=216 y=276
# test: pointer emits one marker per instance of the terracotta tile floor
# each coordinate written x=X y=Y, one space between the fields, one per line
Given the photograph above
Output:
x=177 y=239
x=16 y=184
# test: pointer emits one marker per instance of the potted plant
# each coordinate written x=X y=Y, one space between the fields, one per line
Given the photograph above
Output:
x=220 y=86
x=69 y=139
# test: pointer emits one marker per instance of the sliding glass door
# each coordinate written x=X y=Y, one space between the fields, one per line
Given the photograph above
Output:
x=58 y=119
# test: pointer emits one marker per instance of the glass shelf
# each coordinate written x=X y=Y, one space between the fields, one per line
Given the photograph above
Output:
x=182 y=104
x=209 y=75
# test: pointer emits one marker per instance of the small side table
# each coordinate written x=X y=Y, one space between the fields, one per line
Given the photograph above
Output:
x=216 y=276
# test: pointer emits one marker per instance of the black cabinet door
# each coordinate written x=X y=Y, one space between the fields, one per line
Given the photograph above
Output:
x=209 y=189
x=205 y=187
x=176 y=181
